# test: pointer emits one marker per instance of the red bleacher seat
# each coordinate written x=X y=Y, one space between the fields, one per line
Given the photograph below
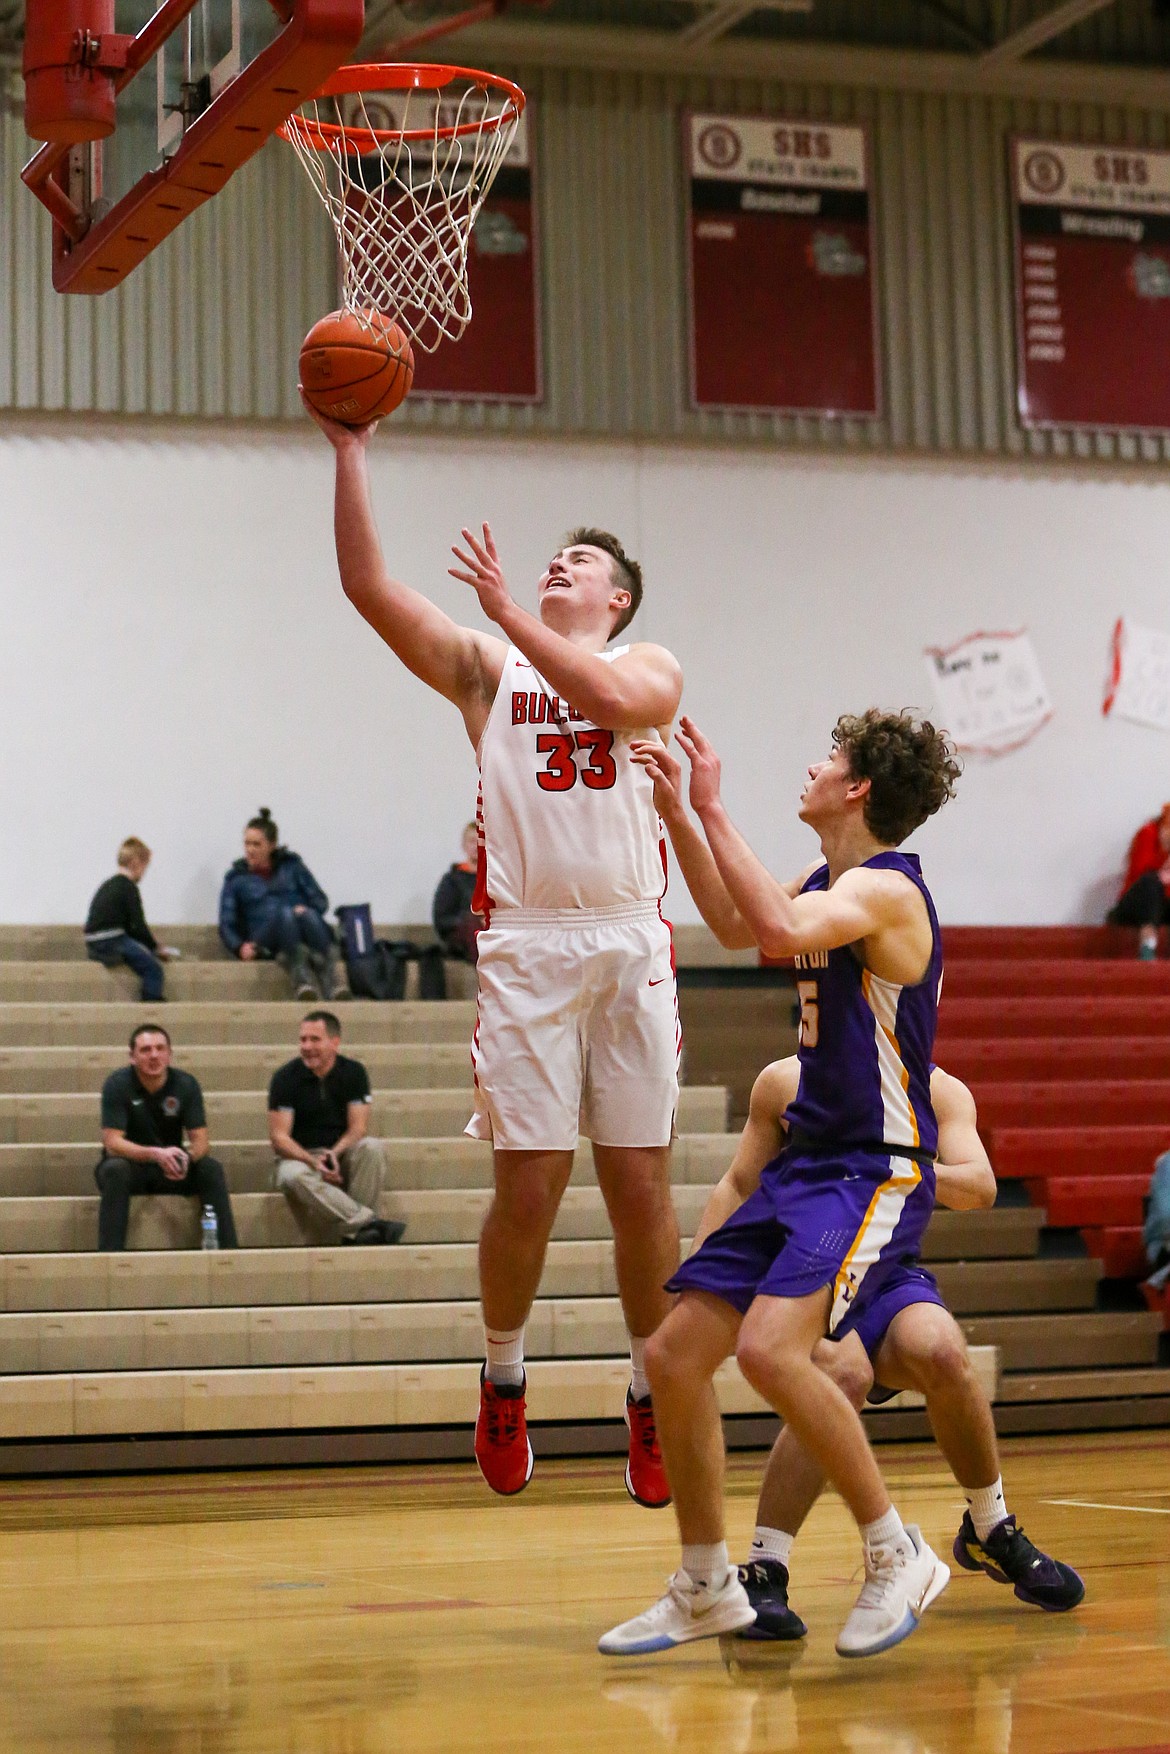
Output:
x=1074 y=1200
x=1119 y=1249
x=1022 y=1152
x=1064 y=1037
x=1033 y=942
x=962 y=1020
x=1141 y=1102
x=1035 y=1059
x=1056 y=976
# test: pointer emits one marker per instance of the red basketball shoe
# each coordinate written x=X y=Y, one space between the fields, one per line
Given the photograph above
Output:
x=502 y=1448
x=646 y=1480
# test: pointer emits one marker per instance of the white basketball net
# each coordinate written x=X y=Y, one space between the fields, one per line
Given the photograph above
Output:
x=403 y=175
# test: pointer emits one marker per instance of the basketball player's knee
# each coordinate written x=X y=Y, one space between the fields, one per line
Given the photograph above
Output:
x=658 y=1361
x=943 y=1364
x=669 y=1361
x=644 y=1218
x=527 y=1206
x=849 y=1369
x=765 y=1366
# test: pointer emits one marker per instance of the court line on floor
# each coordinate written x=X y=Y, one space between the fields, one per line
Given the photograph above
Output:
x=1091 y=1504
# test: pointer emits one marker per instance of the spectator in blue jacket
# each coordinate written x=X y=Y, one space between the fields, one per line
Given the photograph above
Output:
x=272 y=905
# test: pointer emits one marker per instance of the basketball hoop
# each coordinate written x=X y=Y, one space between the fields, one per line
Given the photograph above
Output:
x=402 y=158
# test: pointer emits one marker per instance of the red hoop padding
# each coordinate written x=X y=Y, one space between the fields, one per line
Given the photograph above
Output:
x=400 y=76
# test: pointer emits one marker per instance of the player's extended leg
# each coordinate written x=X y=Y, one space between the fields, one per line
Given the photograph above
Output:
x=704 y=1597
x=924 y=1349
x=902 y=1575
x=512 y=1246
x=792 y=1483
x=635 y=1184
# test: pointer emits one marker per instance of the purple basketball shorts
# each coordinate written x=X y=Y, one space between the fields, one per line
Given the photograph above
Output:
x=844 y=1219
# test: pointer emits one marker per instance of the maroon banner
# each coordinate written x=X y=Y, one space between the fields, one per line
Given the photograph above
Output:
x=497 y=358
x=782 y=311
x=1092 y=264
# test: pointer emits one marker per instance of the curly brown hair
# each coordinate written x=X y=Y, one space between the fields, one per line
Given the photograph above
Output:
x=911 y=767
x=627 y=574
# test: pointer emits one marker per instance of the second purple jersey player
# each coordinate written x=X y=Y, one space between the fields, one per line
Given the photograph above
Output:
x=852 y=1193
x=850 y=1198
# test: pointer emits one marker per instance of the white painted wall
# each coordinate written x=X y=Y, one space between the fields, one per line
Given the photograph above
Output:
x=176 y=650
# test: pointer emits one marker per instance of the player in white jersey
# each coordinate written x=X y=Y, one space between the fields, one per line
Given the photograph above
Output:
x=577 y=1027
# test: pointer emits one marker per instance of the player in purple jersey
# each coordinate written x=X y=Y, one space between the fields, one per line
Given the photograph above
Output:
x=851 y=1196
x=905 y=1338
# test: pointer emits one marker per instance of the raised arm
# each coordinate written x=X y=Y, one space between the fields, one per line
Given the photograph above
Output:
x=631 y=693
x=965 y=1180
x=762 y=1139
x=460 y=663
x=782 y=921
x=700 y=872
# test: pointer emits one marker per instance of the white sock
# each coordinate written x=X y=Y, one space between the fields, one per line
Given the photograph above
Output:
x=884 y=1532
x=707 y=1565
x=639 y=1381
x=770 y=1544
x=505 y=1356
x=987 y=1507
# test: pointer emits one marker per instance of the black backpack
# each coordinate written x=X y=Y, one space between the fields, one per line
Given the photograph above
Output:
x=377 y=966
x=376 y=969
x=381 y=972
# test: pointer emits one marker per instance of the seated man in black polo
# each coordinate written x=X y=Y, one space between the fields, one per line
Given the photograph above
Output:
x=147 y=1109
x=318 y=1113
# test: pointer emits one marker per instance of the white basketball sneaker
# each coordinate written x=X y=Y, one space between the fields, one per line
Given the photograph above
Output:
x=901 y=1581
x=688 y=1610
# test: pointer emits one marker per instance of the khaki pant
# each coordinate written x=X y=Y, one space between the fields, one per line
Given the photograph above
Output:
x=304 y=1185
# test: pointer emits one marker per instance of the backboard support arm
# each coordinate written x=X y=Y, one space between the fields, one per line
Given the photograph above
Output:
x=318 y=37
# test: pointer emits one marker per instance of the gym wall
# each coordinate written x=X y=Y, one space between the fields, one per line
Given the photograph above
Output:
x=177 y=650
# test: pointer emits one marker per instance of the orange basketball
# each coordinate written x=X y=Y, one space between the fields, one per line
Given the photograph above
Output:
x=356 y=366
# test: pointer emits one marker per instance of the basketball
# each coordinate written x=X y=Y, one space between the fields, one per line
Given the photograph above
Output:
x=356 y=366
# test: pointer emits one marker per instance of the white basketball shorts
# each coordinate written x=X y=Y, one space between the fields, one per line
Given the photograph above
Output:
x=577 y=1029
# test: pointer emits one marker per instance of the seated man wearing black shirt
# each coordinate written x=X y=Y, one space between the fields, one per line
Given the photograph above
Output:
x=318 y=1112
x=115 y=926
x=146 y=1108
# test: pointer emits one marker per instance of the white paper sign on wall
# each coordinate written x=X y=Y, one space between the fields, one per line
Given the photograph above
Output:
x=989 y=691
x=1139 y=675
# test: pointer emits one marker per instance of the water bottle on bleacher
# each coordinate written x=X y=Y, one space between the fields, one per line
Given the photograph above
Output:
x=209 y=1229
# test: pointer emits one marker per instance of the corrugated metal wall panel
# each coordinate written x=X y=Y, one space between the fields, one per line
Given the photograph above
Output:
x=211 y=324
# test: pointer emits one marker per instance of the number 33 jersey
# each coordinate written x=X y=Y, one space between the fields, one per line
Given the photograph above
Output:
x=565 y=818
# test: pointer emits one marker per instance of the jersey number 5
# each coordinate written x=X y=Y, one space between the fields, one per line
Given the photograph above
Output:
x=810 y=1014
x=599 y=771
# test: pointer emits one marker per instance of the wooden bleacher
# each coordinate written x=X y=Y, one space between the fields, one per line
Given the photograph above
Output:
x=289 y=1349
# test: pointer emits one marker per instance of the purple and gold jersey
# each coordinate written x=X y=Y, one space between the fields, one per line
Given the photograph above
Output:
x=865 y=1044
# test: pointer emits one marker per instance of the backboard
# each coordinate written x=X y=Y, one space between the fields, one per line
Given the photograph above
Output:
x=192 y=89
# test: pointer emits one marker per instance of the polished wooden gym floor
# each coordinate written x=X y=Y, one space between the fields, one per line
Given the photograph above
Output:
x=400 y=1611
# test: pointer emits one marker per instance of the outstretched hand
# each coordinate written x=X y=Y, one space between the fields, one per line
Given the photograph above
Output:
x=339 y=435
x=705 y=765
x=666 y=772
x=482 y=571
